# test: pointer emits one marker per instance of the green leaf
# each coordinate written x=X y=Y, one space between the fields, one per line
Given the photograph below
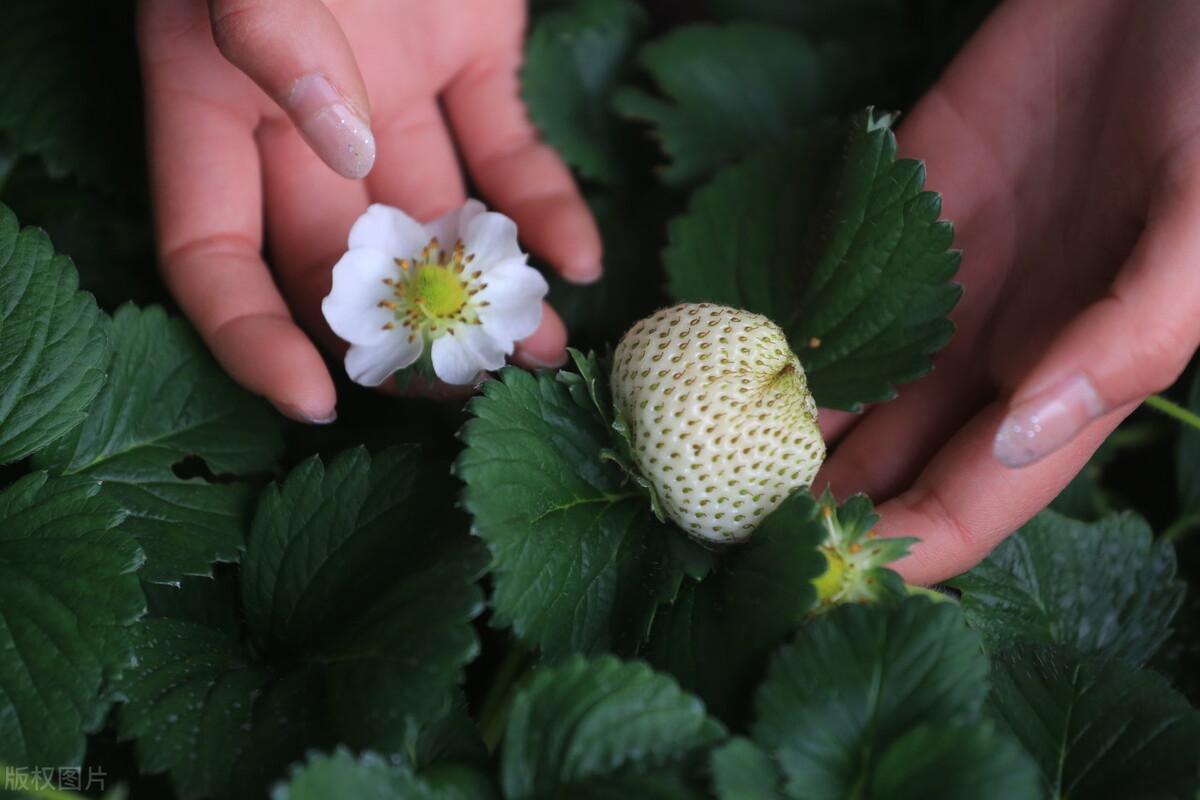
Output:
x=744 y=771
x=832 y=237
x=1188 y=470
x=53 y=342
x=68 y=592
x=209 y=601
x=946 y=761
x=716 y=636
x=358 y=590
x=167 y=401
x=321 y=526
x=735 y=89
x=855 y=681
x=108 y=237
x=327 y=574
x=585 y=722
x=189 y=703
x=579 y=561
x=1098 y=727
x=573 y=60
x=69 y=89
x=1105 y=587
x=370 y=777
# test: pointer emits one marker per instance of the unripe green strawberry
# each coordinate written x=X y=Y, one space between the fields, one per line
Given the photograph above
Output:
x=719 y=416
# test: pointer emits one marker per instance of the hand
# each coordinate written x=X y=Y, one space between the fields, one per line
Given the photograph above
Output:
x=246 y=99
x=1065 y=140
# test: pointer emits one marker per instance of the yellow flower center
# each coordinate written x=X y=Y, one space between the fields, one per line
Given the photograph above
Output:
x=434 y=291
x=437 y=291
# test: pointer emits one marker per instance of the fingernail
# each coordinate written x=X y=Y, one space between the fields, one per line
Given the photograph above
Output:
x=338 y=133
x=540 y=363
x=297 y=414
x=586 y=275
x=1045 y=422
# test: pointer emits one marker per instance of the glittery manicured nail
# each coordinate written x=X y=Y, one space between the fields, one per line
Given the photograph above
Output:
x=338 y=133
x=1037 y=427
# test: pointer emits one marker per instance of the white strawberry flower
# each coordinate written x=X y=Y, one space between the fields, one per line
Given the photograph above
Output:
x=457 y=291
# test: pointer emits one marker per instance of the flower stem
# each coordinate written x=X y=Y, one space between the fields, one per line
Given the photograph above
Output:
x=1160 y=403
x=493 y=714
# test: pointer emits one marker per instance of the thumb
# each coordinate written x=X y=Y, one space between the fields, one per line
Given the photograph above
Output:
x=297 y=53
x=1132 y=343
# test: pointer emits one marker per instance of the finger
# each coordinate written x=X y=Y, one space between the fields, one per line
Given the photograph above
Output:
x=914 y=426
x=834 y=424
x=1130 y=344
x=297 y=53
x=309 y=213
x=522 y=177
x=205 y=181
x=546 y=347
x=966 y=502
x=418 y=169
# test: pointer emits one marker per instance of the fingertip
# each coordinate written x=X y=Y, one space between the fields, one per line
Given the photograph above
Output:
x=336 y=131
x=546 y=347
x=561 y=229
x=299 y=415
x=272 y=357
x=582 y=259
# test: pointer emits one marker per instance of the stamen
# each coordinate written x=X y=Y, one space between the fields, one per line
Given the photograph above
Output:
x=389 y=326
x=403 y=263
x=388 y=304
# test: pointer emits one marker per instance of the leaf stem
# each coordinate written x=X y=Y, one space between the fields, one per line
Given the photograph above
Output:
x=1141 y=435
x=493 y=714
x=1160 y=403
x=933 y=594
x=1181 y=528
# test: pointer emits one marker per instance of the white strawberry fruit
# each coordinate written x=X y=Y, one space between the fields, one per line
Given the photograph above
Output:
x=719 y=416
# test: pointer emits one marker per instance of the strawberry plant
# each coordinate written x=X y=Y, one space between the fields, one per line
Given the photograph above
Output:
x=613 y=579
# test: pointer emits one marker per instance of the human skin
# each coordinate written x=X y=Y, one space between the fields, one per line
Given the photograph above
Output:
x=388 y=94
x=1064 y=140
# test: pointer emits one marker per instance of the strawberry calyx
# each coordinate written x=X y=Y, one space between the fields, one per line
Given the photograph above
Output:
x=856 y=557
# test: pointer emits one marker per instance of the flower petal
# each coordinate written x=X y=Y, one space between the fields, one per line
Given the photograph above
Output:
x=512 y=324
x=390 y=231
x=450 y=227
x=487 y=351
x=372 y=365
x=452 y=362
x=492 y=239
x=513 y=282
x=352 y=307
